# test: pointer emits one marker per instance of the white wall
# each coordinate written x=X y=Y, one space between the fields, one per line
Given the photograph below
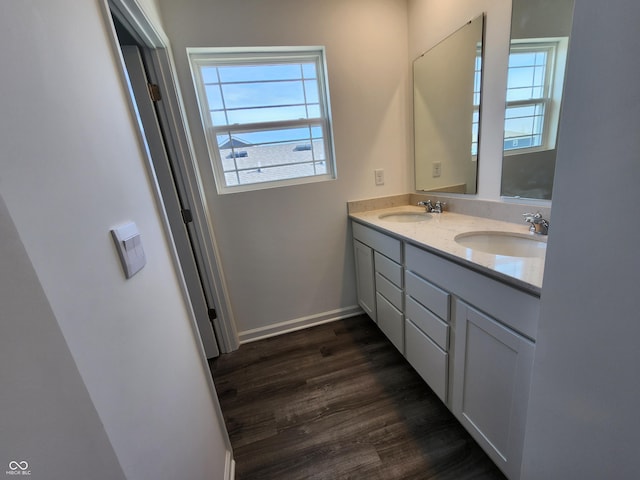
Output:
x=430 y=21
x=71 y=168
x=286 y=252
x=48 y=419
x=583 y=415
x=542 y=19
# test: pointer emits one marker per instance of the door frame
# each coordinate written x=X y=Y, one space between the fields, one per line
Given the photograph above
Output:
x=174 y=203
x=155 y=49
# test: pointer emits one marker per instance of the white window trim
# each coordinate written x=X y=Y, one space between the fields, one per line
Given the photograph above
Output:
x=202 y=56
x=475 y=139
x=554 y=84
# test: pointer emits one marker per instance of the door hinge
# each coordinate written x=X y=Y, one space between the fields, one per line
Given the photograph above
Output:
x=154 y=92
x=213 y=314
x=187 y=217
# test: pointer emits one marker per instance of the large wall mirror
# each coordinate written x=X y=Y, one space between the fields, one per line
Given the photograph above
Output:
x=539 y=40
x=446 y=96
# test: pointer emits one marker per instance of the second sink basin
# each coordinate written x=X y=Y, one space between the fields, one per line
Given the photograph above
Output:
x=405 y=217
x=504 y=243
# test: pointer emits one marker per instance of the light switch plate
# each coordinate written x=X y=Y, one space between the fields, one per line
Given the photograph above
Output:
x=129 y=247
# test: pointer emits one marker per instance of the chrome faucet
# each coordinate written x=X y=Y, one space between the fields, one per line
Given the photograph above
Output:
x=437 y=208
x=539 y=225
x=427 y=205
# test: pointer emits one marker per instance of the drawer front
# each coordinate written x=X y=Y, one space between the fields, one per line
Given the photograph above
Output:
x=389 y=269
x=432 y=297
x=516 y=309
x=391 y=322
x=430 y=324
x=389 y=291
x=429 y=360
x=388 y=246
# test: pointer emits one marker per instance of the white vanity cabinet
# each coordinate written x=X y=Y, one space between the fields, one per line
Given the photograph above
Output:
x=379 y=280
x=466 y=328
x=486 y=371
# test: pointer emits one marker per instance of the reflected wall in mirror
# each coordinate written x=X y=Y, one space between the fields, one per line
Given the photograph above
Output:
x=446 y=108
x=539 y=40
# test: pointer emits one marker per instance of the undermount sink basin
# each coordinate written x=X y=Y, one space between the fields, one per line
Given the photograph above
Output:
x=503 y=243
x=405 y=217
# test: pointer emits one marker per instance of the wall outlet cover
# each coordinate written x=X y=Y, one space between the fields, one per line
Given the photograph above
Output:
x=379 y=173
x=437 y=169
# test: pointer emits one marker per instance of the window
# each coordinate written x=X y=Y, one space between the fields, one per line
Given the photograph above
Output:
x=477 y=85
x=266 y=116
x=534 y=88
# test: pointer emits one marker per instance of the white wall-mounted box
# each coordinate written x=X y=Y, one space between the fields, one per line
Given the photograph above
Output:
x=129 y=247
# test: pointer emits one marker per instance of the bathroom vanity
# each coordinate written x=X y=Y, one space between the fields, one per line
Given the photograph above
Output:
x=465 y=318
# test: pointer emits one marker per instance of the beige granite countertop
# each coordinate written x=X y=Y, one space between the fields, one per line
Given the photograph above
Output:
x=438 y=232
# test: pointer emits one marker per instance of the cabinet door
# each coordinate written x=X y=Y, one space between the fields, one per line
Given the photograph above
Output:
x=492 y=373
x=365 y=279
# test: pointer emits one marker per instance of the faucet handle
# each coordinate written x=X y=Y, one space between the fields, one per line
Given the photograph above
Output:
x=538 y=224
x=439 y=207
x=426 y=204
x=532 y=218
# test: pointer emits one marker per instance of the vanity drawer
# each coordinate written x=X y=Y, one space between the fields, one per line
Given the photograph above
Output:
x=430 y=324
x=388 y=246
x=390 y=321
x=514 y=308
x=389 y=269
x=432 y=297
x=429 y=360
x=389 y=291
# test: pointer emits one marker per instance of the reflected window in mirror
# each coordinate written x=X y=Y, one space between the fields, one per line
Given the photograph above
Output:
x=477 y=84
x=534 y=90
x=540 y=31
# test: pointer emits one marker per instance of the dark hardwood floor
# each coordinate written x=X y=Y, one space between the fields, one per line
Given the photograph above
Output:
x=338 y=401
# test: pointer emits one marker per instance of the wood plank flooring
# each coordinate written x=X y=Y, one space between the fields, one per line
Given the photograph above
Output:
x=338 y=401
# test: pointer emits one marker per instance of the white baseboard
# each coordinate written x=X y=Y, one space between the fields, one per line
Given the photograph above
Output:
x=298 y=324
x=229 y=466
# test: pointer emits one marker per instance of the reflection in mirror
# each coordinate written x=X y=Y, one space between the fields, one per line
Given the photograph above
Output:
x=539 y=40
x=446 y=97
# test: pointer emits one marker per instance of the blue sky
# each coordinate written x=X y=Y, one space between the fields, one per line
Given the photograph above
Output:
x=262 y=93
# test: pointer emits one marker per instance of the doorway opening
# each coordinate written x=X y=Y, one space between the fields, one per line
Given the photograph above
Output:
x=147 y=70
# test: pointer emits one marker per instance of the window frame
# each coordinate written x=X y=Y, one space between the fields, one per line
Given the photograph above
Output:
x=477 y=100
x=556 y=49
x=213 y=57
